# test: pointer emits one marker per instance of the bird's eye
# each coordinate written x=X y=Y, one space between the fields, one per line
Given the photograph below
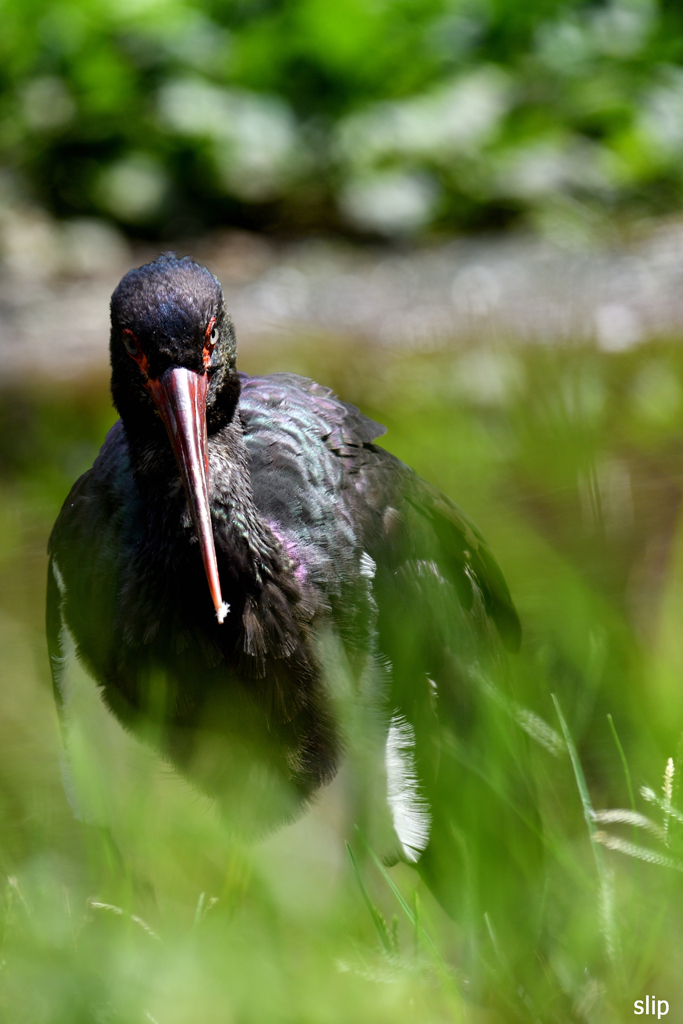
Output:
x=130 y=343
x=210 y=338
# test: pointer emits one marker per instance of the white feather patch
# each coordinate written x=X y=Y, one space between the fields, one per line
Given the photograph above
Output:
x=62 y=662
x=368 y=566
x=409 y=808
x=65 y=671
x=59 y=579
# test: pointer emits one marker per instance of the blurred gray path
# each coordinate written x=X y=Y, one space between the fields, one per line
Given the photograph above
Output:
x=55 y=283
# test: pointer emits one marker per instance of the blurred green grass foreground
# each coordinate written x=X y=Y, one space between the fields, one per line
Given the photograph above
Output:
x=570 y=460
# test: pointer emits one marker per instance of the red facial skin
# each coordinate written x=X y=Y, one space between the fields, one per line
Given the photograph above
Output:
x=180 y=397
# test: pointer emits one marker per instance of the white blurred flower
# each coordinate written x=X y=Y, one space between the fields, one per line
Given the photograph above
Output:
x=548 y=166
x=257 y=147
x=563 y=45
x=195 y=40
x=134 y=187
x=621 y=29
x=453 y=35
x=617 y=29
x=47 y=103
x=458 y=116
x=391 y=202
x=661 y=120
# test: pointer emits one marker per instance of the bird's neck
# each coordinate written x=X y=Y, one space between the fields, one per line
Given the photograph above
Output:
x=240 y=530
x=239 y=525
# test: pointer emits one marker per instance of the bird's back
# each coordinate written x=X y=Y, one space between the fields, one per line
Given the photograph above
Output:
x=316 y=471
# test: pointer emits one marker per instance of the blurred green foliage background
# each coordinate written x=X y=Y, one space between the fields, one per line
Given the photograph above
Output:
x=389 y=117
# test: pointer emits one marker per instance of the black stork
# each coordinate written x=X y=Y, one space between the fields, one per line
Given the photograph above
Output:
x=292 y=584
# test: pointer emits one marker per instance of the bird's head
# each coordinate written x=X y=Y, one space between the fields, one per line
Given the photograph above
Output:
x=173 y=358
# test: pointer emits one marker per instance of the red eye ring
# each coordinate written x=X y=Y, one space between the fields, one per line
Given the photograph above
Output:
x=132 y=347
x=211 y=337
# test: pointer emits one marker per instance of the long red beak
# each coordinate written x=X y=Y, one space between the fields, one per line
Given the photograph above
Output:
x=180 y=396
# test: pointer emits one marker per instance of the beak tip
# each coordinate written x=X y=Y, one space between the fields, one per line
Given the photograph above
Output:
x=222 y=611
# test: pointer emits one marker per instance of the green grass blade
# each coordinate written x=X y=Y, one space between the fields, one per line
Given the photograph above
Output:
x=377 y=919
x=624 y=762
x=402 y=902
x=627 y=774
x=606 y=898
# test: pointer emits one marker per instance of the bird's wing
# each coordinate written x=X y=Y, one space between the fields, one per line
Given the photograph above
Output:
x=453 y=757
x=90 y=544
x=104 y=765
x=411 y=525
x=400 y=519
x=459 y=785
